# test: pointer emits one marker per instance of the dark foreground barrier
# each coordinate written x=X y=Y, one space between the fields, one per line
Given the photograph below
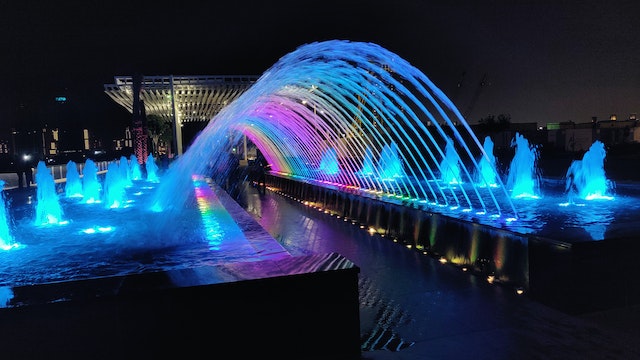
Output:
x=292 y=308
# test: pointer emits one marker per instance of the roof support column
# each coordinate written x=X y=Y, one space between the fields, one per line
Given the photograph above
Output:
x=177 y=125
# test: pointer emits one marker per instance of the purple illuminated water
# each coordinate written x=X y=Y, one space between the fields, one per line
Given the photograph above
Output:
x=369 y=121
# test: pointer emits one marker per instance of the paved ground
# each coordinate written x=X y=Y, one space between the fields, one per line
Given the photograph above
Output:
x=413 y=307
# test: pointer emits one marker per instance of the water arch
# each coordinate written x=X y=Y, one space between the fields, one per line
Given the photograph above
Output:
x=364 y=107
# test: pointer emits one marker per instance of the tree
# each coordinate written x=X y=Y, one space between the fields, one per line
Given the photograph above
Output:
x=160 y=132
x=490 y=124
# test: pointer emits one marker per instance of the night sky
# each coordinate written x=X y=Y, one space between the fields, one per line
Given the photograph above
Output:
x=545 y=61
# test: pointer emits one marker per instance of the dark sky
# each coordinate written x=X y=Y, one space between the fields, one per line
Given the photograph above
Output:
x=545 y=61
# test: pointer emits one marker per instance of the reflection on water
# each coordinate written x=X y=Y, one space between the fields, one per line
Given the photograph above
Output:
x=100 y=241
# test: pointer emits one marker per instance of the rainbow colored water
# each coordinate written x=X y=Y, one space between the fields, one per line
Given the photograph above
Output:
x=356 y=116
x=361 y=105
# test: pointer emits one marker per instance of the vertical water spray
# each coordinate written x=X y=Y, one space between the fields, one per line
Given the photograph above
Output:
x=125 y=171
x=91 y=187
x=152 y=169
x=368 y=165
x=73 y=184
x=6 y=238
x=523 y=179
x=115 y=184
x=586 y=178
x=329 y=163
x=450 y=165
x=135 y=171
x=390 y=164
x=488 y=173
x=48 y=208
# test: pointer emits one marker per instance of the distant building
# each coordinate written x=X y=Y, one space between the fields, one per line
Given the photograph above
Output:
x=570 y=136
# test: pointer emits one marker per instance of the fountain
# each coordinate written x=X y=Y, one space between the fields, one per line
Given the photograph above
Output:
x=390 y=164
x=48 y=208
x=73 y=186
x=523 y=179
x=450 y=165
x=383 y=135
x=358 y=98
x=135 y=171
x=151 y=169
x=368 y=165
x=72 y=275
x=487 y=174
x=586 y=178
x=115 y=184
x=6 y=239
x=91 y=187
x=329 y=163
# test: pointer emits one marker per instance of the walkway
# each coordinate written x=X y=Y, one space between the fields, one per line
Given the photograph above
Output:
x=413 y=307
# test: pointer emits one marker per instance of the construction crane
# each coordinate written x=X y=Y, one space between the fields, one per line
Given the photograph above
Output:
x=474 y=99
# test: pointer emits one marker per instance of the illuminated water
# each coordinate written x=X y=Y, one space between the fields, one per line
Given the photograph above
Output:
x=152 y=169
x=487 y=174
x=91 y=187
x=48 y=208
x=101 y=241
x=450 y=165
x=73 y=186
x=6 y=238
x=376 y=125
x=586 y=178
x=523 y=179
x=339 y=114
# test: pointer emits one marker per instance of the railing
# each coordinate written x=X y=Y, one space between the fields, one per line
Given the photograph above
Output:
x=59 y=173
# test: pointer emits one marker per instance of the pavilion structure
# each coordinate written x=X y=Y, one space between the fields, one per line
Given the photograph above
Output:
x=179 y=100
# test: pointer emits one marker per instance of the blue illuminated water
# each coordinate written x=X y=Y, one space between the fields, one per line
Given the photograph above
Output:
x=379 y=127
x=6 y=238
x=586 y=178
x=523 y=179
x=329 y=162
x=151 y=169
x=73 y=186
x=48 y=208
x=450 y=165
x=135 y=170
x=115 y=184
x=488 y=173
x=91 y=187
x=101 y=241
